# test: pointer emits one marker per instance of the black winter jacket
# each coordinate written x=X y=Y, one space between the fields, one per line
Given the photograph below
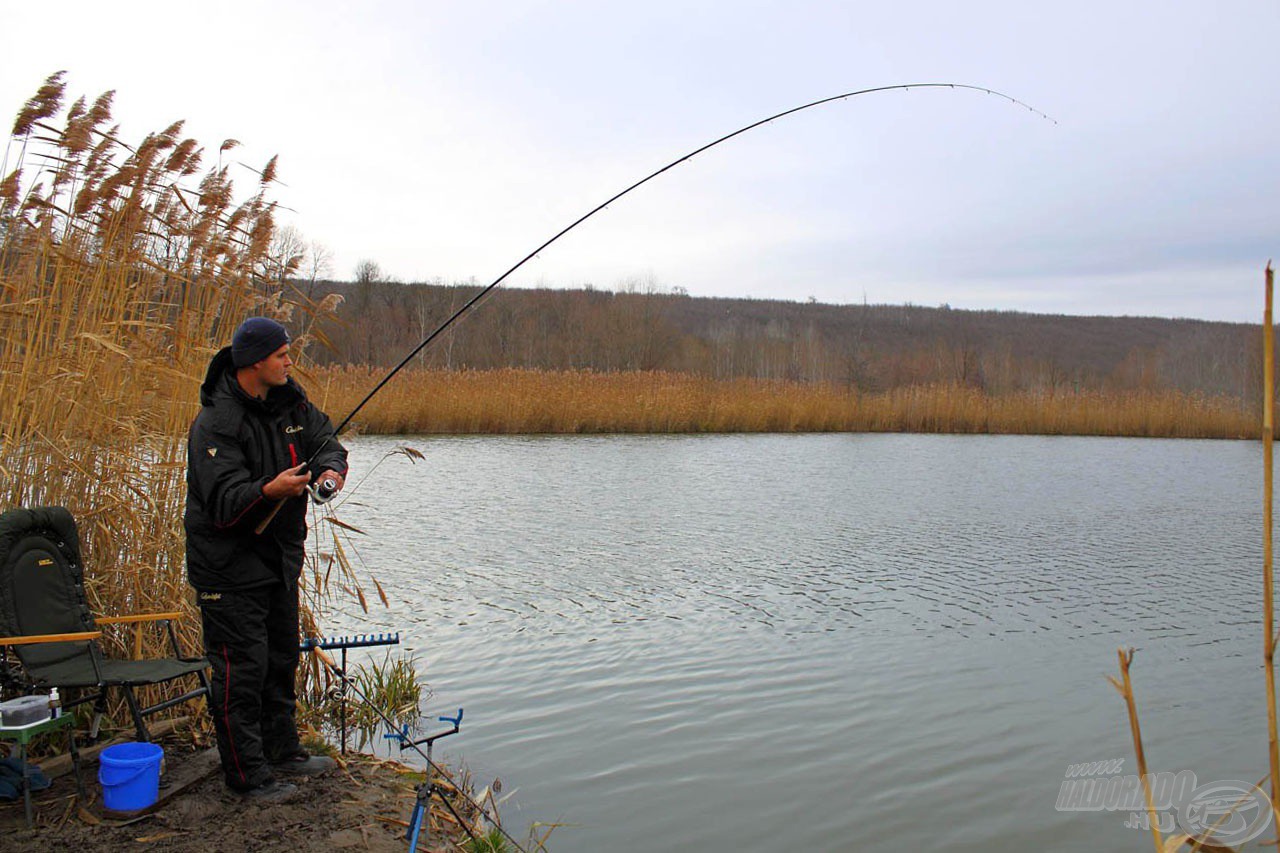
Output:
x=237 y=445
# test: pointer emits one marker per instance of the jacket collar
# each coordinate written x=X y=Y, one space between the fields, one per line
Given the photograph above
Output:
x=220 y=381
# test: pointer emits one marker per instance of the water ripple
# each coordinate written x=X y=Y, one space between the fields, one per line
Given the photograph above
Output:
x=796 y=642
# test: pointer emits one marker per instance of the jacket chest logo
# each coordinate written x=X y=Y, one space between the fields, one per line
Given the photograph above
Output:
x=289 y=430
x=213 y=451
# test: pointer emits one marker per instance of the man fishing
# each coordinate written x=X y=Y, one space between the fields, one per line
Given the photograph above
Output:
x=247 y=456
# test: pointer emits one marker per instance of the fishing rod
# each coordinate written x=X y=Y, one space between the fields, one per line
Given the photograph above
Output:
x=497 y=281
x=581 y=219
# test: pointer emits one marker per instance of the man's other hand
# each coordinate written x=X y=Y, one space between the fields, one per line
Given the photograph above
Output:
x=335 y=476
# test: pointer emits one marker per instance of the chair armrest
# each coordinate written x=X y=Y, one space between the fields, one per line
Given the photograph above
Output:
x=50 y=638
x=167 y=618
x=137 y=617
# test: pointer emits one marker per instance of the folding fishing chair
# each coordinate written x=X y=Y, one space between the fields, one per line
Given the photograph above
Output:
x=46 y=623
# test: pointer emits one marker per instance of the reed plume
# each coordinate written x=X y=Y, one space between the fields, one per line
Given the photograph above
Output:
x=120 y=279
x=44 y=104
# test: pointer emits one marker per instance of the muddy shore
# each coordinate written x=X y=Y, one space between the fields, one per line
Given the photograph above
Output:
x=364 y=805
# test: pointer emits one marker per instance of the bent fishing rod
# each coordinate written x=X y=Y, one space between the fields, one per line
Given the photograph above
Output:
x=457 y=315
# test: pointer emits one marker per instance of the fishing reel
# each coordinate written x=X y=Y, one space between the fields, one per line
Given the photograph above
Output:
x=322 y=491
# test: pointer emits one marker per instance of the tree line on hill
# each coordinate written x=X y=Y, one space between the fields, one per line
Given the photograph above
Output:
x=868 y=347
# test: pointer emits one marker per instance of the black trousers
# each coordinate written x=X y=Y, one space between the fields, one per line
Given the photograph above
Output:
x=251 y=640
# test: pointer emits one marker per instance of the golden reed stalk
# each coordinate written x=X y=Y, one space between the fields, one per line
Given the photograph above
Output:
x=1125 y=686
x=1268 y=618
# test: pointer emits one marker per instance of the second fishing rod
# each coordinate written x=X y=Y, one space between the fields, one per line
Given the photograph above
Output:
x=485 y=291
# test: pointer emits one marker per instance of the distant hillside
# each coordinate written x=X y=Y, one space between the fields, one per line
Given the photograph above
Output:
x=871 y=347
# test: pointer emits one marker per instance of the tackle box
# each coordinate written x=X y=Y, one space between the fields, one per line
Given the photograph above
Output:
x=24 y=711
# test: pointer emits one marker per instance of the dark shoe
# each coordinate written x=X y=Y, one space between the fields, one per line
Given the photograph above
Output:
x=303 y=764
x=270 y=792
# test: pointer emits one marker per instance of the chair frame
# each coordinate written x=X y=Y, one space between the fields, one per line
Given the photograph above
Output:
x=98 y=693
x=99 y=697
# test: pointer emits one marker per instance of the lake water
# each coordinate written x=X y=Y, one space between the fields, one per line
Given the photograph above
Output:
x=820 y=642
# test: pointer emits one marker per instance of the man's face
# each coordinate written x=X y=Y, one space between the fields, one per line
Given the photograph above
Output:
x=274 y=369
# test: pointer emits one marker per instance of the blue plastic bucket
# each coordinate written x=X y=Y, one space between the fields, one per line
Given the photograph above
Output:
x=130 y=776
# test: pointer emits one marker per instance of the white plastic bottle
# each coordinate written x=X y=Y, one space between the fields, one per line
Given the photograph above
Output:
x=55 y=704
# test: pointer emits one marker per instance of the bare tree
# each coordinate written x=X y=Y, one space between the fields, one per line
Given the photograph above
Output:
x=285 y=254
x=317 y=264
x=368 y=275
x=368 y=272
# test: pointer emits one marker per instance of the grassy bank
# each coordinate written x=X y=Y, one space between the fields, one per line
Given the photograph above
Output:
x=531 y=401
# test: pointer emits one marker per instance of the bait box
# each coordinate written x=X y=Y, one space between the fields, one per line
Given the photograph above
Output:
x=24 y=711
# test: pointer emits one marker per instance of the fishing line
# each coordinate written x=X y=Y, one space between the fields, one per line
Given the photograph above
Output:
x=469 y=304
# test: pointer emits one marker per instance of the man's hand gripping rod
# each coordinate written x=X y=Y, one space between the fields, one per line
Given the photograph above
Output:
x=322 y=491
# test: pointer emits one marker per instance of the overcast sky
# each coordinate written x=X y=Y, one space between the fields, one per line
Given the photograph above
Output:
x=450 y=139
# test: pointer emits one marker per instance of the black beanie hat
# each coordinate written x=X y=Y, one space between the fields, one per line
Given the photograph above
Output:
x=255 y=339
